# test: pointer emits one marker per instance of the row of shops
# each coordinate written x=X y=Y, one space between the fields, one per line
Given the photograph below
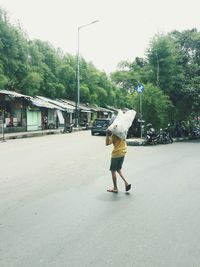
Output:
x=20 y=113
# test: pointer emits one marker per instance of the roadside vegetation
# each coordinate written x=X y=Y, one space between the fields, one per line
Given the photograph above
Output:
x=170 y=73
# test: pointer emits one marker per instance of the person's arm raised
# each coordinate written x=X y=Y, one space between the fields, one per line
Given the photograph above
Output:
x=108 y=138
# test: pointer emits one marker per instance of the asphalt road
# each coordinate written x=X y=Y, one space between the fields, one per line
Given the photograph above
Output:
x=55 y=211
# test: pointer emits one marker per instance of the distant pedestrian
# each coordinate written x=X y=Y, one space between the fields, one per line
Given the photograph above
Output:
x=117 y=159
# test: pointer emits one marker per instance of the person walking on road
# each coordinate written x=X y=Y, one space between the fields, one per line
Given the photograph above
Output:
x=117 y=159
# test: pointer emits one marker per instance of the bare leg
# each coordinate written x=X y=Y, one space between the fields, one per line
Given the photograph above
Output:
x=122 y=176
x=114 y=179
x=127 y=185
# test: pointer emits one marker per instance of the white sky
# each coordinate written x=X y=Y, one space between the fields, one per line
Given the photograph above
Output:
x=123 y=32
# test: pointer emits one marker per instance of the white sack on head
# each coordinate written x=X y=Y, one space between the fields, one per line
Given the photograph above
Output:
x=122 y=123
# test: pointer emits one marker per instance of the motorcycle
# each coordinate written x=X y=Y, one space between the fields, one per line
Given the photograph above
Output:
x=196 y=131
x=85 y=124
x=166 y=135
x=68 y=128
x=151 y=136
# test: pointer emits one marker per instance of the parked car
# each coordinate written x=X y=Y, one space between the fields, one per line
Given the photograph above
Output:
x=100 y=126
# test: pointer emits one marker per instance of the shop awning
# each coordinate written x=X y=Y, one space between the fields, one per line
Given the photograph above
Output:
x=43 y=104
x=13 y=94
x=58 y=103
x=81 y=107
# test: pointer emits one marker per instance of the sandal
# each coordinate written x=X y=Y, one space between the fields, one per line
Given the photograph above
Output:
x=128 y=187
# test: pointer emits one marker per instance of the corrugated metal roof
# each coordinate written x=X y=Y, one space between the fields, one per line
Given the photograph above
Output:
x=105 y=110
x=41 y=103
x=97 y=108
x=94 y=108
x=62 y=104
x=12 y=93
x=112 y=109
x=83 y=108
x=58 y=103
x=69 y=102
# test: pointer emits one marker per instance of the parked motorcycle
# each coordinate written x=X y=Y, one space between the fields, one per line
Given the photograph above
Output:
x=68 y=128
x=151 y=136
x=166 y=135
x=85 y=124
x=196 y=131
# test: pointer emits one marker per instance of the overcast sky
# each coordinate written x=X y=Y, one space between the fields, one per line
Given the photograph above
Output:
x=123 y=32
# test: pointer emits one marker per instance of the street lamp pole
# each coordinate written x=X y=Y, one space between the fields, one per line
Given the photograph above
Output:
x=141 y=128
x=78 y=72
x=2 y=125
x=140 y=89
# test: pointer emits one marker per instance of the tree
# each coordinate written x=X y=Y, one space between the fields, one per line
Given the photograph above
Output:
x=13 y=54
x=162 y=61
x=156 y=105
x=187 y=45
x=36 y=67
x=31 y=83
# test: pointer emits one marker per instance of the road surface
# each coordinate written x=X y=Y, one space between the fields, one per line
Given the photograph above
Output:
x=55 y=211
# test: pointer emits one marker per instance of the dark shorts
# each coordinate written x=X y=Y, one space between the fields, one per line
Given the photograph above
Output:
x=116 y=164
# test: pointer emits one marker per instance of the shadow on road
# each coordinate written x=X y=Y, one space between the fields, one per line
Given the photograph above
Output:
x=113 y=196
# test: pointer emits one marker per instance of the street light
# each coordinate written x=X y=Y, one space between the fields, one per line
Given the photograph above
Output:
x=78 y=73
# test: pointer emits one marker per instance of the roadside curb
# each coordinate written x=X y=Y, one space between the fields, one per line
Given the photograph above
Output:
x=19 y=135
x=135 y=142
x=141 y=142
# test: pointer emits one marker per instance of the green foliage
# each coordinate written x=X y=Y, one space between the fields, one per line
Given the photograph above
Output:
x=170 y=73
x=37 y=68
x=155 y=105
x=13 y=54
x=31 y=83
x=162 y=61
x=179 y=77
x=172 y=65
x=85 y=93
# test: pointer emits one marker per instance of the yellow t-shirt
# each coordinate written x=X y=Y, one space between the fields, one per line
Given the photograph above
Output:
x=120 y=146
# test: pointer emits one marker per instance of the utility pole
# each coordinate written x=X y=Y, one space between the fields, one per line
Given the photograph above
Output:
x=140 y=90
x=78 y=72
x=158 y=71
x=2 y=125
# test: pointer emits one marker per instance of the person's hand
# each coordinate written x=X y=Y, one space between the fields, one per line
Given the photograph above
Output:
x=108 y=133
